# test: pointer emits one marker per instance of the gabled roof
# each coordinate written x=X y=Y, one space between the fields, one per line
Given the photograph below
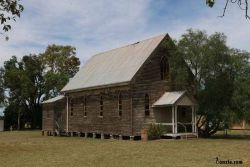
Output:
x=54 y=99
x=169 y=98
x=117 y=66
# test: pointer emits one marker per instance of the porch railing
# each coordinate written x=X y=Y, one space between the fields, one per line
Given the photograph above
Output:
x=182 y=124
x=181 y=127
x=167 y=127
x=188 y=127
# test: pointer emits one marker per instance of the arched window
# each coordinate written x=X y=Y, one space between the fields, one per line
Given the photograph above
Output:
x=120 y=104
x=101 y=107
x=164 y=67
x=146 y=105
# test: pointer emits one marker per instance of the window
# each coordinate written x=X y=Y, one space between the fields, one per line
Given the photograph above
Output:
x=146 y=104
x=84 y=107
x=164 y=67
x=71 y=107
x=120 y=104
x=101 y=107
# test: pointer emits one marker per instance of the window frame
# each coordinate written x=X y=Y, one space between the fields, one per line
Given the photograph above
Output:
x=164 y=67
x=71 y=107
x=120 y=104
x=84 y=106
x=101 y=107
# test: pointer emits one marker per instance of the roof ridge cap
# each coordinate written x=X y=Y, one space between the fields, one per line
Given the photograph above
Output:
x=126 y=45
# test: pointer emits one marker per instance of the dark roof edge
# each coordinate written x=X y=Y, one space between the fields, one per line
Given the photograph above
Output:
x=97 y=87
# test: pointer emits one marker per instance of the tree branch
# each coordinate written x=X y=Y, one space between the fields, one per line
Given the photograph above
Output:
x=224 y=10
x=240 y=4
x=247 y=17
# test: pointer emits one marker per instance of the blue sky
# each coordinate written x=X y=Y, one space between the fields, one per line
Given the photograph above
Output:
x=94 y=26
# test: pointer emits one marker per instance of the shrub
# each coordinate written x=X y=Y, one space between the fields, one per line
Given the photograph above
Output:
x=155 y=131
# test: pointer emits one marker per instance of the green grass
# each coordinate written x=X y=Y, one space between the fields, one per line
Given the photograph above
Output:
x=233 y=134
x=29 y=148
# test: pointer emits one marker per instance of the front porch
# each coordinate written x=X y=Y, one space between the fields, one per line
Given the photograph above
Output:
x=175 y=111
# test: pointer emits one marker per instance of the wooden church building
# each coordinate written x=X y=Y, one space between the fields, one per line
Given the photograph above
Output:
x=120 y=92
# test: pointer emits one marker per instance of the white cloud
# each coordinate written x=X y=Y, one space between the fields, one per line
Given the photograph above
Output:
x=88 y=25
x=99 y=25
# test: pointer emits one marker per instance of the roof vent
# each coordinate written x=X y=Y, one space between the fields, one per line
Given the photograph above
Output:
x=136 y=43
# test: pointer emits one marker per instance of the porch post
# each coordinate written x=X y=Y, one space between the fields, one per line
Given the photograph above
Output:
x=67 y=115
x=193 y=119
x=173 y=119
x=175 y=111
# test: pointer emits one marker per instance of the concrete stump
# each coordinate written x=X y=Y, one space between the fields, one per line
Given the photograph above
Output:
x=120 y=137
x=102 y=136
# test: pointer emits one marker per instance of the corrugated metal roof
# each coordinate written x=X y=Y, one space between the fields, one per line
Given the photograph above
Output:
x=114 y=66
x=169 y=98
x=54 y=99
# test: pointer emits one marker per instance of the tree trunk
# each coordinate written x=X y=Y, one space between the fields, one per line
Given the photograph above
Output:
x=18 y=120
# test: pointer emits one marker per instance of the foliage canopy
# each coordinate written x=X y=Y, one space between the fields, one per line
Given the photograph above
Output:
x=222 y=93
x=35 y=78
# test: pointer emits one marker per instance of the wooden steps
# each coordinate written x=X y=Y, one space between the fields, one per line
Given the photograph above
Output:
x=189 y=136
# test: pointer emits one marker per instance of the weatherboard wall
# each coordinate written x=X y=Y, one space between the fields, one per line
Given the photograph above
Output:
x=92 y=122
x=148 y=81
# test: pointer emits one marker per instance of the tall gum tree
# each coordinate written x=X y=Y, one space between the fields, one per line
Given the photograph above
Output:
x=215 y=71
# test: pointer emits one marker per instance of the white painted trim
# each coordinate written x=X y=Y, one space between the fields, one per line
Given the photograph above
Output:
x=175 y=111
x=67 y=115
x=173 y=119
x=169 y=124
x=193 y=121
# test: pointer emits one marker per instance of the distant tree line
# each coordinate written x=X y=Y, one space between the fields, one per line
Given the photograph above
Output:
x=25 y=83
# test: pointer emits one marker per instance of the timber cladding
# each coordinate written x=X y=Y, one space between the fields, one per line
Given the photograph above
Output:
x=109 y=122
x=85 y=109
x=54 y=116
x=48 y=117
x=148 y=81
x=117 y=109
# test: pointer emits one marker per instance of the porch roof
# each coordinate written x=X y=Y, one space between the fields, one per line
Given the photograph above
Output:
x=54 y=99
x=169 y=98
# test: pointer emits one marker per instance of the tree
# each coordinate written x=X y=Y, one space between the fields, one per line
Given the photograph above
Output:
x=214 y=68
x=241 y=95
x=35 y=78
x=61 y=64
x=24 y=81
x=243 y=5
x=2 y=95
x=10 y=10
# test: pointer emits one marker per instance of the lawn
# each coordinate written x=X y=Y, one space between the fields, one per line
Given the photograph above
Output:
x=29 y=148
